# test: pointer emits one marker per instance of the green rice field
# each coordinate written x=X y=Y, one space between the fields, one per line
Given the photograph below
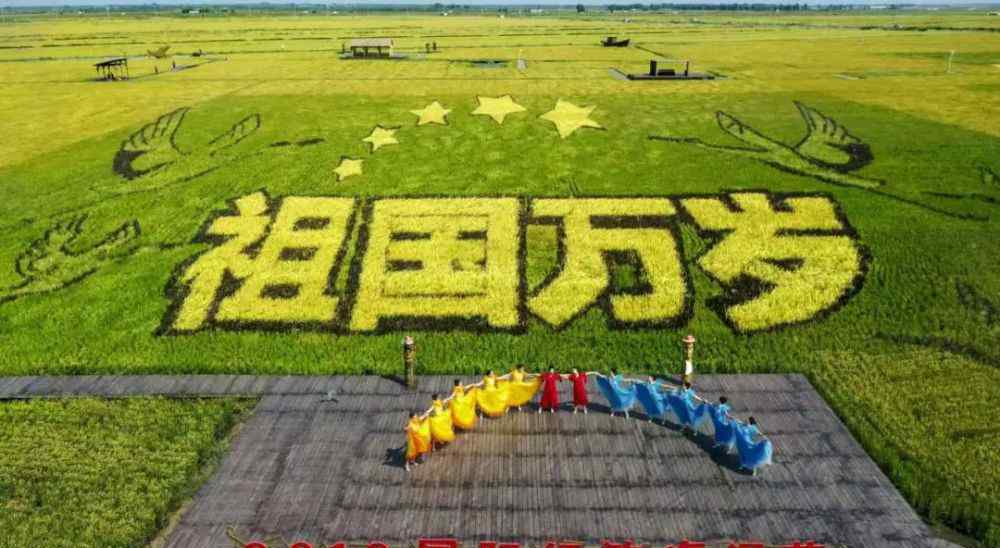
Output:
x=253 y=202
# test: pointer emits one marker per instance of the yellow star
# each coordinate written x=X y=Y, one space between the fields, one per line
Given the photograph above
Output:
x=568 y=118
x=433 y=113
x=347 y=168
x=381 y=137
x=497 y=107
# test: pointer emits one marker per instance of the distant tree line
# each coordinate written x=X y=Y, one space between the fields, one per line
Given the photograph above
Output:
x=320 y=8
x=741 y=7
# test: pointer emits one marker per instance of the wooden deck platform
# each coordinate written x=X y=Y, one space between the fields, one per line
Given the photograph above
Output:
x=678 y=76
x=310 y=467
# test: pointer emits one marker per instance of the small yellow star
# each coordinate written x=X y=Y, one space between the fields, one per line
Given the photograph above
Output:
x=433 y=113
x=381 y=137
x=347 y=168
x=568 y=118
x=497 y=107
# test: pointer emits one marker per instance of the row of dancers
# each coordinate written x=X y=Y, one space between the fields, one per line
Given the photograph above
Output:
x=495 y=395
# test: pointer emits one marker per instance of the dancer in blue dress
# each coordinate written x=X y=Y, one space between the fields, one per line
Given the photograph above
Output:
x=650 y=395
x=620 y=399
x=724 y=425
x=753 y=454
x=689 y=412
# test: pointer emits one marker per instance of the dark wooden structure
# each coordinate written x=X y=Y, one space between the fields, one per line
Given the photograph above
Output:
x=378 y=48
x=613 y=42
x=656 y=73
x=113 y=69
x=320 y=460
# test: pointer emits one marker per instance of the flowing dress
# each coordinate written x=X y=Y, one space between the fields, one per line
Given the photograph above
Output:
x=620 y=399
x=688 y=412
x=725 y=427
x=492 y=399
x=580 y=397
x=463 y=408
x=651 y=398
x=550 y=390
x=441 y=429
x=418 y=438
x=753 y=454
x=519 y=390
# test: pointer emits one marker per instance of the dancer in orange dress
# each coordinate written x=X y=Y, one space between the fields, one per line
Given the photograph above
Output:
x=418 y=438
x=442 y=429
x=463 y=406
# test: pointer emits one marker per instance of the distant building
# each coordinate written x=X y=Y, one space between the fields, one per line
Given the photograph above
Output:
x=371 y=47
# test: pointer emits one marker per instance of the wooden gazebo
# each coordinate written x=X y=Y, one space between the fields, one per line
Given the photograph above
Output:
x=113 y=69
x=371 y=47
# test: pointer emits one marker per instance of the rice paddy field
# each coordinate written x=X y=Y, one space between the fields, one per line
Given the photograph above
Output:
x=254 y=203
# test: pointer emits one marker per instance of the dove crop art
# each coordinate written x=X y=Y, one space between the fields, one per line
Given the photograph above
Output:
x=989 y=192
x=51 y=263
x=828 y=151
x=151 y=158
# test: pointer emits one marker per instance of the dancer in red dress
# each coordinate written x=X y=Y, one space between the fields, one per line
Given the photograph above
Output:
x=580 y=399
x=550 y=390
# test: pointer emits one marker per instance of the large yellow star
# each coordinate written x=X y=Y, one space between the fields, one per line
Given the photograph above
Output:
x=568 y=118
x=347 y=168
x=497 y=107
x=433 y=113
x=381 y=137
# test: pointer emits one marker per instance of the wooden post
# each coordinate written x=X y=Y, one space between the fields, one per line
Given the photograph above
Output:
x=688 y=358
x=409 y=362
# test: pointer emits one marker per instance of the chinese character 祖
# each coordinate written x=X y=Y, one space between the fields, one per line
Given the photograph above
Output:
x=278 y=275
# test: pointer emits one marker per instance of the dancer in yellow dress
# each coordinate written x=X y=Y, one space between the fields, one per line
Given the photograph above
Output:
x=492 y=398
x=463 y=406
x=440 y=422
x=418 y=438
x=521 y=387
